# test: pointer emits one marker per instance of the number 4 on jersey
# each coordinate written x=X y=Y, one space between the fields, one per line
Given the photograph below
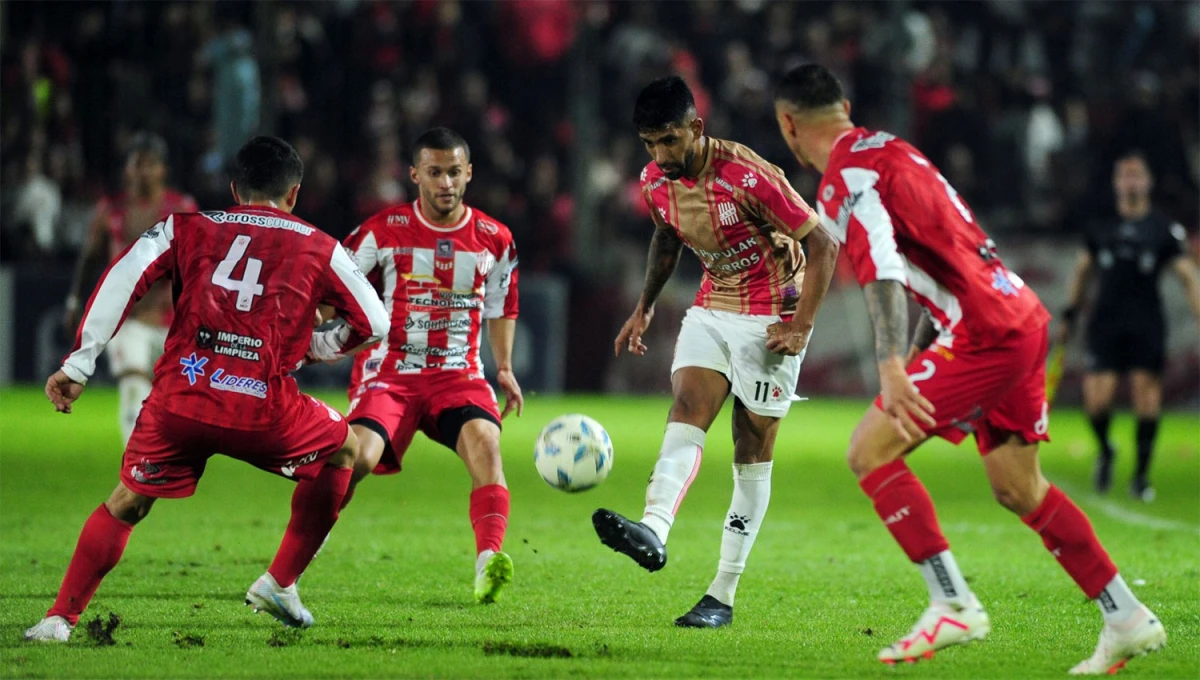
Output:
x=246 y=287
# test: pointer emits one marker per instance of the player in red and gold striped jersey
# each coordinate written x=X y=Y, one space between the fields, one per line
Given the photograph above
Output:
x=746 y=333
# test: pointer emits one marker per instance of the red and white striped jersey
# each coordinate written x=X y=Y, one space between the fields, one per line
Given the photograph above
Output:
x=901 y=220
x=438 y=284
x=738 y=215
x=124 y=218
x=246 y=283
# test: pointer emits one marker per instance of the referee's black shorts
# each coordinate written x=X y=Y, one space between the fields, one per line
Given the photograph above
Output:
x=1126 y=347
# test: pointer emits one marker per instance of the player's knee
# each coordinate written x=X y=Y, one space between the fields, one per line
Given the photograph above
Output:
x=346 y=456
x=863 y=456
x=692 y=409
x=128 y=506
x=1020 y=498
x=479 y=447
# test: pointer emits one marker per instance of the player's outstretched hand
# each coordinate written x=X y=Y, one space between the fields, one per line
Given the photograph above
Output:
x=903 y=403
x=513 y=399
x=630 y=336
x=62 y=391
x=788 y=338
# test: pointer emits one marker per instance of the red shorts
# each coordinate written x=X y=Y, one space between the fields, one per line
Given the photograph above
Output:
x=401 y=405
x=991 y=392
x=166 y=454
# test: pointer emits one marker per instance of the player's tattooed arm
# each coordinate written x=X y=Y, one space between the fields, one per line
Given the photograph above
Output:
x=665 y=248
x=923 y=337
x=887 y=303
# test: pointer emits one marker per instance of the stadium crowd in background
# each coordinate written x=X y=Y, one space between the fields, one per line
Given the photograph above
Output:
x=1059 y=88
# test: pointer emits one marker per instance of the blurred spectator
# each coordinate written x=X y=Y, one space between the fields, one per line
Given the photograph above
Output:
x=38 y=204
x=236 y=82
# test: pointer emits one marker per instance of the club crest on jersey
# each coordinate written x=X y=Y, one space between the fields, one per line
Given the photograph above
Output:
x=485 y=262
x=827 y=192
x=727 y=214
x=487 y=227
x=445 y=247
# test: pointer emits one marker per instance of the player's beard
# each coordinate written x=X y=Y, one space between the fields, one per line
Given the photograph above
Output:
x=438 y=204
x=673 y=171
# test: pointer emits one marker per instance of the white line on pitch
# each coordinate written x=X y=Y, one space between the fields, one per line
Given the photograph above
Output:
x=1127 y=516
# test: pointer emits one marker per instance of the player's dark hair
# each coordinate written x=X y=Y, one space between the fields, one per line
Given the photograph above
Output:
x=809 y=86
x=266 y=167
x=663 y=102
x=1132 y=153
x=440 y=139
x=147 y=143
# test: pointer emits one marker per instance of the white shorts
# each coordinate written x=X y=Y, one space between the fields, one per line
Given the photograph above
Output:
x=135 y=348
x=735 y=345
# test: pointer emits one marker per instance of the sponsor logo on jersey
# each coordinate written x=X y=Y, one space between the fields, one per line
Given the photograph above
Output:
x=875 y=141
x=153 y=232
x=487 y=227
x=228 y=382
x=193 y=367
x=410 y=348
x=407 y=366
x=445 y=300
x=1002 y=283
x=749 y=180
x=645 y=171
x=847 y=209
x=401 y=220
x=463 y=324
x=372 y=364
x=727 y=214
x=723 y=184
x=827 y=192
x=290 y=470
x=656 y=183
x=146 y=472
x=265 y=221
x=229 y=344
x=728 y=259
x=445 y=248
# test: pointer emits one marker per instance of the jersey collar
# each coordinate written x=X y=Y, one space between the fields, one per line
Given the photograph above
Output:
x=454 y=227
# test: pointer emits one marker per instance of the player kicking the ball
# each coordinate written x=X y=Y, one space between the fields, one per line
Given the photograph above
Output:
x=978 y=356
x=247 y=281
x=443 y=268
x=746 y=333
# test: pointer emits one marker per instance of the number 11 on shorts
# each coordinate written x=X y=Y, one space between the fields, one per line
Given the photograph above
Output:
x=762 y=390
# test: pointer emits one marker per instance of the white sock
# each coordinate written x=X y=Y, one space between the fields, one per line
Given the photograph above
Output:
x=751 y=495
x=678 y=463
x=945 y=581
x=133 y=390
x=1117 y=602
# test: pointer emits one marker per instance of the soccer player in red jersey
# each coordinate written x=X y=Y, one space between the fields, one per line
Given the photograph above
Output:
x=976 y=365
x=247 y=282
x=443 y=267
x=745 y=334
x=119 y=221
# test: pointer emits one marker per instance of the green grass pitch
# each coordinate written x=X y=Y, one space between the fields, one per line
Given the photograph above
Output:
x=825 y=588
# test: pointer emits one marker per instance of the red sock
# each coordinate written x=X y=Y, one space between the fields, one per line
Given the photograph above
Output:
x=347 y=498
x=100 y=546
x=489 y=516
x=1069 y=536
x=315 y=506
x=906 y=509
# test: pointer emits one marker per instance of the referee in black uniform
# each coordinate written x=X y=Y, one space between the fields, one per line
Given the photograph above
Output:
x=1125 y=330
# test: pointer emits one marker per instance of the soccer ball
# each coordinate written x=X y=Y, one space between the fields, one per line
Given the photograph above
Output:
x=573 y=453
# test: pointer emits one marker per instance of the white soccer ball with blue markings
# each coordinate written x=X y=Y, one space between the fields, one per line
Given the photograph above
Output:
x=573 y=453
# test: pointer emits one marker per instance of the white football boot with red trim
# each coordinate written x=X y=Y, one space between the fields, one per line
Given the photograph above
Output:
x=941 y=626
x=1143 y=634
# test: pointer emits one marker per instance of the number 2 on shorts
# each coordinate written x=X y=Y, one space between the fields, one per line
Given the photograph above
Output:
x=246 y=287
